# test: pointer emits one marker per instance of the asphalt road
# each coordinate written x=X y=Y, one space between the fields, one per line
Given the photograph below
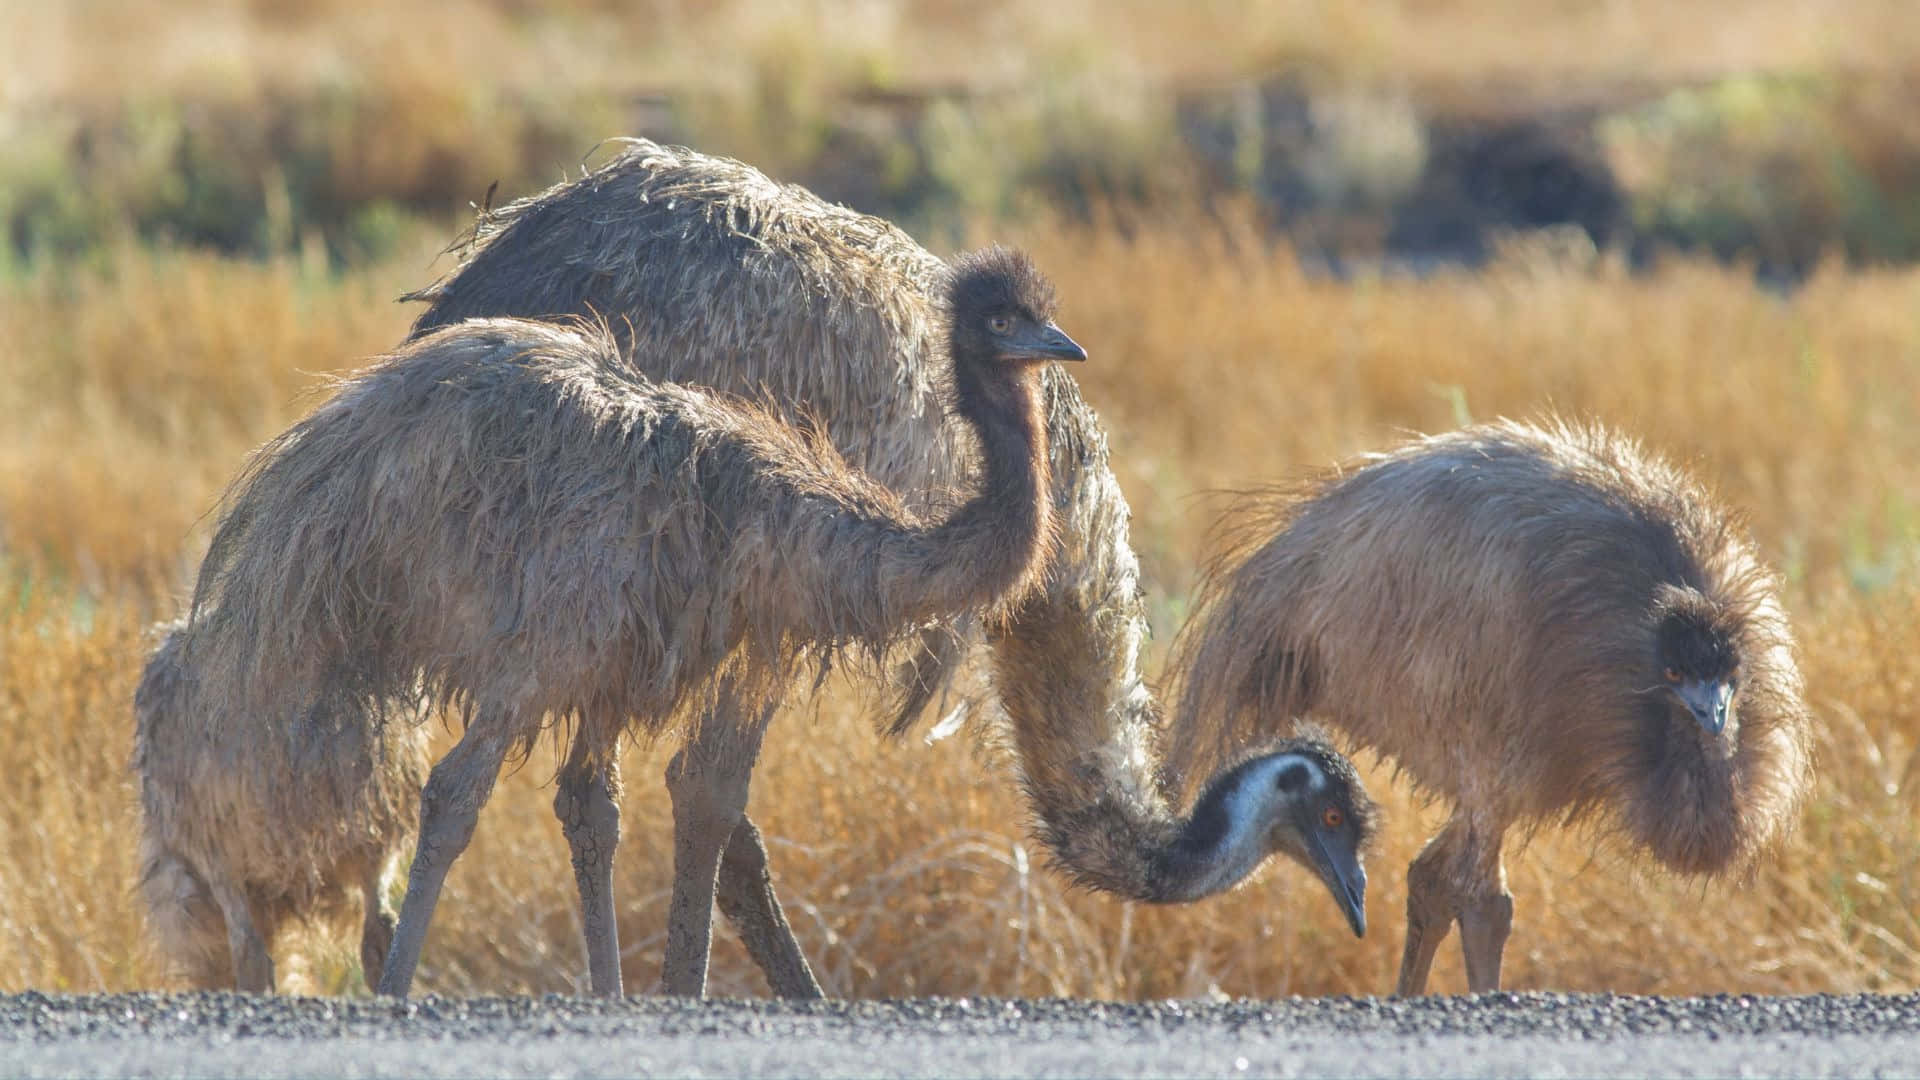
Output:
x=1492 y=1035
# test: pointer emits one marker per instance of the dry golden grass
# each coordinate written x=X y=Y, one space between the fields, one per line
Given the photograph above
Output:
x=132 y=392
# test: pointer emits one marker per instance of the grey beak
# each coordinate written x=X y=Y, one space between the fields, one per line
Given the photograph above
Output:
x=1707 y=701
x=1048 y=343
x=1345 y=878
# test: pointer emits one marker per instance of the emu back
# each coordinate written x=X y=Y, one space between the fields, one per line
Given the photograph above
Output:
x=714 y=275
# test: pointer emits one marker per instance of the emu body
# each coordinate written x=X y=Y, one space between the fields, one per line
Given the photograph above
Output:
x=510 y=516
x=343 y=800
x=718 y=276
x=1525 y=620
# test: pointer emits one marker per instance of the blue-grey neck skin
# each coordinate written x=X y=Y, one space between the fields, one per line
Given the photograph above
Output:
x=1226 y=836
x=1280 y=803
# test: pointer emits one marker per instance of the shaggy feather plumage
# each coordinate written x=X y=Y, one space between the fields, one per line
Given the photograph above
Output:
x=508 y=517
x=511 y=513
x=343 y=799
x=709 y=273
x=1487 y=608
x=719 y=276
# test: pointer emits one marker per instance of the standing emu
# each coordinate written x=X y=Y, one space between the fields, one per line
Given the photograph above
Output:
x=341 y=790
x=1539 y=623
x=713 y=274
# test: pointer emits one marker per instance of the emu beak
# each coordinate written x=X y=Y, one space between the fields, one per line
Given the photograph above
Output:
x=1048 y=342
x=1345 y=878
x=1707 y=701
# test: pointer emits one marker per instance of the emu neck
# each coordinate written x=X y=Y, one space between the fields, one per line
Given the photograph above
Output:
x=1218 y=845
x=1005 y=528
x=1090 y=767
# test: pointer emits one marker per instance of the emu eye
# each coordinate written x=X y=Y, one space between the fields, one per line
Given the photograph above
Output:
x=1672 y=675
x=1000 y=324
x=1331 y=817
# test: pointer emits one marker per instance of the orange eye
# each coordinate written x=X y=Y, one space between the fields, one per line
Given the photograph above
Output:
x=1672 y=675
x=1000 y=324
x=1331 y=817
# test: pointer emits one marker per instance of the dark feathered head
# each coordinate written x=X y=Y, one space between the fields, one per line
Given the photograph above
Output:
x=1696 y=645
x=1001 y=309
x=1343 y=789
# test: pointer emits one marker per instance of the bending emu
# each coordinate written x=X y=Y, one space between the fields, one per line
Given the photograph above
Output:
x=716 y=275
x=1536 y=622
x=509 y=515
x=342 y=800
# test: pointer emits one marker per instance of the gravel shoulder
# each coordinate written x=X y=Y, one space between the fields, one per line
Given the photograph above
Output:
x=1487 y=1035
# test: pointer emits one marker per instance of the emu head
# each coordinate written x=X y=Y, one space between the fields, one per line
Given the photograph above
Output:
x=1324 y=820
x=1301 y=799
x=1001 y=310
x=1697 y=653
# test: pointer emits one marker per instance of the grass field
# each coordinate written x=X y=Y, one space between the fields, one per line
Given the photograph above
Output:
x=136 y=379
x=138 y=388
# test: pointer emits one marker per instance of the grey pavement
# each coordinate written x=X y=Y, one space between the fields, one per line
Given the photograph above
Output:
x=1489 y=1035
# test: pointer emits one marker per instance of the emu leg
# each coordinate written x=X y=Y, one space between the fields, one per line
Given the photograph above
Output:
x=376 y=926
x=1486 y=917
x=187 y=923
x=588 y=807
x=252 y=959
x=746 y=898
x=708 y=781
x=1430 y=914
x=1457 y=876
x=449 y=805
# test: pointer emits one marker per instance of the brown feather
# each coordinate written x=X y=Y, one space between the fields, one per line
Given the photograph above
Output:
x=721 y=277
x=507 y=518
x=508 y=512
x=1482 y=608
x=344 y=803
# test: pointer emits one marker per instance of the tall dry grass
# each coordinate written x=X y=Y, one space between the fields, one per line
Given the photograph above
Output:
x=132 y=391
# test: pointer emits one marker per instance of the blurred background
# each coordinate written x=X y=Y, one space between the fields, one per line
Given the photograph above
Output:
x=1288 y=231
x=1416 y=131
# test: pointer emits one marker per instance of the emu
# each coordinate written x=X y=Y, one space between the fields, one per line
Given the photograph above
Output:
x=713 y=274
x=505 y=515
x=343 y=801
x=1537 y=622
